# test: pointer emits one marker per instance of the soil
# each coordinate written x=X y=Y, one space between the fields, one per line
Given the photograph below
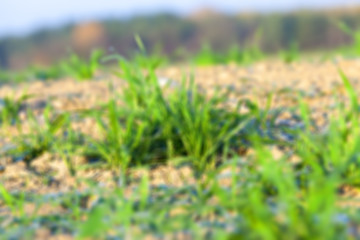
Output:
x=318 y=83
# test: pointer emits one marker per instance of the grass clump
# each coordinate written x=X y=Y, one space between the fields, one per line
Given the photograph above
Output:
x=355 y=34
x=72 y=66
x=291 y=54
x=46 y=73
x=10 y=109
x=41 y=138
x=152 y=126
x=335 y=151
x=244 y=56
x=207 y=56
x=80 y=69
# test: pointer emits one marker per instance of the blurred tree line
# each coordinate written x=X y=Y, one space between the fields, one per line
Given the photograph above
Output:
x=173 y=35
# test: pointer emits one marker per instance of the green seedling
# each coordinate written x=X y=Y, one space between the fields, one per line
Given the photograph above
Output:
x=80 y=69
x=144 y=59
x=72 y=144
x=184 y=123
x=16 y=204
x=242 y=56
x=336 y=150
x=207 y=56
x=10 y=108
x=47 y=73
x=291 y=54
x=355 y=34
x=41 y=139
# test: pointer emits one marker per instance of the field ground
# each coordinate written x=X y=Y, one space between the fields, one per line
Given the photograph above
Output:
x=72 y=204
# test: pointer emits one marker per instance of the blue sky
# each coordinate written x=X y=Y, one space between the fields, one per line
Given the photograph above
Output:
x=24 y=16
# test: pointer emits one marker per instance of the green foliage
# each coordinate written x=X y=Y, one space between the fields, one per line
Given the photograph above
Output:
x=41 y=139
x=45 y=73
x=207 y=56
x=291 y=54
x=80 y=69
x=355 y=34
x=10 y=108
x=15 y=203
x=73 y=66
x=145 y=59
x=335 y=152
x=149 y=126
x=10 y=77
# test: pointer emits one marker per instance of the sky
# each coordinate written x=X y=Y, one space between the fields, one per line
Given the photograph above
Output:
x=20 y=17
